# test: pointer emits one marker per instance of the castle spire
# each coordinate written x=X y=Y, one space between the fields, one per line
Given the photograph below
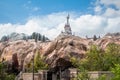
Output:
x=67 y=27
x=68 y=19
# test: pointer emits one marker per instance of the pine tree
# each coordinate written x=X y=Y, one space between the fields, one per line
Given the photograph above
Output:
x=94 y=38
x=33 y=35
x=36 y=37
x=39 y=37
x=43 y=38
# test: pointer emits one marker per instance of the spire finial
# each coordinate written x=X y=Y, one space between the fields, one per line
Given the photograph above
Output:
x=68 y=19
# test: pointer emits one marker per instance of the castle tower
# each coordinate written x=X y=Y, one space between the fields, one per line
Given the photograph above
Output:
x=67 y=27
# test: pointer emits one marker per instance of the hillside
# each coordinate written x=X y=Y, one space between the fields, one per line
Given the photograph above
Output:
x=56 y=52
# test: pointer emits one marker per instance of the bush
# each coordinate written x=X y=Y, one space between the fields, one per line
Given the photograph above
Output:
x=10 y=77
x=116 y=72
x=102 y=77
x=39 y=63
x=3 y=74
x=99 y=60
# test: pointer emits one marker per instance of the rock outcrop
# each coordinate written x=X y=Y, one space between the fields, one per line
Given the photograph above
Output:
x=56 y=52
x=23 y=49
x=108 y=38
x=63 y=48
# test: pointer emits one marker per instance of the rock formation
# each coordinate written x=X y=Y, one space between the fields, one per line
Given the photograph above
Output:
x=56 y=52
x=62 y=48
x=23 y=49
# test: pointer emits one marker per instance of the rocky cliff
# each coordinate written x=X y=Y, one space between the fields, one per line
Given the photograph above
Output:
x=24 y=50
x=56 y=52
x=61 y=49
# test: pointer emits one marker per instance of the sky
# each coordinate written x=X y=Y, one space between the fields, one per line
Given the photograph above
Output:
x=48 y=17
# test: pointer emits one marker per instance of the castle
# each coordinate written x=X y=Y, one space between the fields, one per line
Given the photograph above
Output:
x=67 y=28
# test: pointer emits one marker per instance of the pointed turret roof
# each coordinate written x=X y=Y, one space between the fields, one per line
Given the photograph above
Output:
x=68 y=19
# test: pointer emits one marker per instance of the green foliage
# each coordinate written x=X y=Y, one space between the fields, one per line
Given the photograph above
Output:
x=33 y=35
x=94 y=37
x=39 y=63
x=75 y=62
x=99 y=60
x=94 y=58
x=3 y=74
x=111 y=56
x=113 y=52
x=43 y=38
x=79 y=64
x=82 y=76
x=116 y=72
x=102 y=77
x=4 y=38
x=10 y=77
x=38 y=37
x=113 y=48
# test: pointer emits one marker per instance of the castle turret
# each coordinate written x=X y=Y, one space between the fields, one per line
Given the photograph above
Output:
x=67 y=27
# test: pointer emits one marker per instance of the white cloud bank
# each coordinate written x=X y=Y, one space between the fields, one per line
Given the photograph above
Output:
x=51 y=25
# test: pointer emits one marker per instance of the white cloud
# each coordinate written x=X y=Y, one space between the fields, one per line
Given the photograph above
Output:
x=113 y=25
x=98 y=9
x=111 y=2
x=110 y=12
x=49 y=25
x=89 y=25
x=52 y=24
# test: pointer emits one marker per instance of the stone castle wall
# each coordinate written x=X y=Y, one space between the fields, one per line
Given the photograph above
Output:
x=68 y=74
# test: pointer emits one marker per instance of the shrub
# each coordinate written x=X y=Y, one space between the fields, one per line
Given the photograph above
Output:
x=116 y=72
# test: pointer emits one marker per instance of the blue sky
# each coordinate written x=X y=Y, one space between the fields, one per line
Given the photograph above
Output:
x=17 y=11
x=48 y=17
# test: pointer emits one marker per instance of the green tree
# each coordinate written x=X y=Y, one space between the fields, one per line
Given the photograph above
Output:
x=43 y=38
x=39 y=37
x=94 y=38
x=82 y=73
x=94 y=59
x=3 y=74
x=39 y=63
x=102 y=77
x=111 y=56
x=97 y=59
x=36 y=37
x=4 y=38
x=10 y=77
x=116 y=72
x=33 y=35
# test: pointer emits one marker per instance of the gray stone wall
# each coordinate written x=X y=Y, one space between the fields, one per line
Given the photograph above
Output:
x=68 y=74
x=96 y=74
x=41 y=75
x=29 y=76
